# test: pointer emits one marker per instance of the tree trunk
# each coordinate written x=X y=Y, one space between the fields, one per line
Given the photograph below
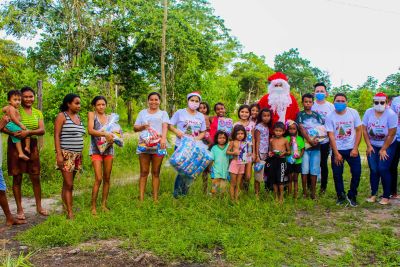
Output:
x=163 y=49
x=129 y=105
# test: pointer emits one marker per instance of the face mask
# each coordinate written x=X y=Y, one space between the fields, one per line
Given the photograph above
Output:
x=379 y=108
x=193 y=105
x=320 y=96
x=340 y=106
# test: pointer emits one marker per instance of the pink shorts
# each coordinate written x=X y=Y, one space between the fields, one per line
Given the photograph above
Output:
x=237 y=167
x=95 y=157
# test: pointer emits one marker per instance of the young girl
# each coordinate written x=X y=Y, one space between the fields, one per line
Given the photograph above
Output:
x=261 y=142
x=220 y=122
x=279 y=148
x=248 y=124
x=294 y=160
x=238 y=148
x=204 y=108
x=219 y=169
x=254 y=111
x=15 y=125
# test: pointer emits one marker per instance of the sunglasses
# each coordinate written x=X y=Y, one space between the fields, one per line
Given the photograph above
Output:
x=379 y=102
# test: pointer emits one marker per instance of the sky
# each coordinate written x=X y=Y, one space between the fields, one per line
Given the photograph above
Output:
x=351 y=39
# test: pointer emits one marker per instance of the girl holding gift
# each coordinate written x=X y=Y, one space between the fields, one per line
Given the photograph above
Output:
x=188 y=122
x=157 y=120
x=261 y=145
x=295 y=158
x=101 y=161
x=220 y=122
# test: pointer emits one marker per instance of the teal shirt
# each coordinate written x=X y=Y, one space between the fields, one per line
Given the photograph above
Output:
x=220 y=166
x=300 y=145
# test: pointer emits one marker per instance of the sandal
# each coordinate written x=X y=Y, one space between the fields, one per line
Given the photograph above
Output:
x=384 y=201
x=371 y=199
x=43 y=212
x=20 y=216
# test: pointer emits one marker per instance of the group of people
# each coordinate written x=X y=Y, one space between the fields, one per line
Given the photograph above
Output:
x=271 y=138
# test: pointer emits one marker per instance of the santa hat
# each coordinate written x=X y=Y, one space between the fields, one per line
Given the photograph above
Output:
x=193 y=94
x=380 y=96
x=277 y=76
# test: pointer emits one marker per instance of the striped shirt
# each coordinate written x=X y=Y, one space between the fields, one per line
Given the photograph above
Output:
x=71 y=138
x=31 y=121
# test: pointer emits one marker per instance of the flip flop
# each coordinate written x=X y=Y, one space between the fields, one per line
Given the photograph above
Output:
x=43 y=212
x=20 y=217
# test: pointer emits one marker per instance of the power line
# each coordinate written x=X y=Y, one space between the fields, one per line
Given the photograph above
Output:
x=363 y=7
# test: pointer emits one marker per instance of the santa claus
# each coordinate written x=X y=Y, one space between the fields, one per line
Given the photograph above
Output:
x=279 y=99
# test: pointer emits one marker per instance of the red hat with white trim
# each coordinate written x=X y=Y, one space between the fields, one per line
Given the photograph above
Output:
x=277 y=76
x=195 y=93
x=380 y=96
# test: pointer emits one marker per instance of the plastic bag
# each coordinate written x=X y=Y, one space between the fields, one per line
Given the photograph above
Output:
x=191 y=157
x=113 y=127
x=259 y=171
x=149 y=137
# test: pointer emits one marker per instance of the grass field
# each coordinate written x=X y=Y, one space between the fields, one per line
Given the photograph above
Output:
x=200 y=229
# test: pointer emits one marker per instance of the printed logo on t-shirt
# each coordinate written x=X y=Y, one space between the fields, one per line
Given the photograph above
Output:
x=244 y=150
x=225 y=125
x=344 y=129
x=376 y=131
x=192 y=127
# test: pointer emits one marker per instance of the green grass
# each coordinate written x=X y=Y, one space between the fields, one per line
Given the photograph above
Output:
x=256 y=232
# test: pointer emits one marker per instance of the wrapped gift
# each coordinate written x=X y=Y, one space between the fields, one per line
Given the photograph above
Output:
x=191 y=157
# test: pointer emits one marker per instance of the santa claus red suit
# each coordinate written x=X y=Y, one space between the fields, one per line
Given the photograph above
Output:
x=279 y=99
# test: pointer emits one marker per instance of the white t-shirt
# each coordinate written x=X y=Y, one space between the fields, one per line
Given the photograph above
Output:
x=344 y=128
x=155 y=120
x=323 y=109
x=395 y=106
x=187 y=123
x=378 y=128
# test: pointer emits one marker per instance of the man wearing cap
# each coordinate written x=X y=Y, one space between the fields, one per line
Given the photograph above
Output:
x=279 y=99
x=379 y=129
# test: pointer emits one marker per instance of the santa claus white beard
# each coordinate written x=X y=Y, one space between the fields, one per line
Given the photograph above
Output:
x=279 y=99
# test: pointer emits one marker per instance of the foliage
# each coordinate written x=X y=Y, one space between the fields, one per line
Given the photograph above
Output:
x=21 y=261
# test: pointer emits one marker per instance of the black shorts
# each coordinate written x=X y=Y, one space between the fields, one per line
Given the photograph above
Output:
x=277 y=170
x=293 y=168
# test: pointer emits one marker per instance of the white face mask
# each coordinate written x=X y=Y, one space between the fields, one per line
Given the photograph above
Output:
x=379 y=108
x=193 y=105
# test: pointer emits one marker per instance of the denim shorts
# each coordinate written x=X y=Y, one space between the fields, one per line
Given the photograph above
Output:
x=311 y=162
x=2 y=182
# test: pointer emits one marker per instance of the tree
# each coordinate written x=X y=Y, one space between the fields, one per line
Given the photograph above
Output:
x=302 y=76
x=392 y=83
x=251 y=73
x=163 y=50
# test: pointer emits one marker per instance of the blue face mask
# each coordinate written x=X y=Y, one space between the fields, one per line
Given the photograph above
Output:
x=320 y=96
x=340 y=106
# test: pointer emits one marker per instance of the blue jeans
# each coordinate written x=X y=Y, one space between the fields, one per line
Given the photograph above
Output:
x=311 y=162
x=355 y=169
x=182 y=184
x=380 y=169
x=393 y=169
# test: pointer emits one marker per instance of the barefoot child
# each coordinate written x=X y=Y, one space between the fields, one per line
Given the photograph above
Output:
x=248 y=124
x=238 y=148
x=219 y=169
x=204 y=108
x=294 y=160
x=261 y=143
x=15 y=125
x=279 y=148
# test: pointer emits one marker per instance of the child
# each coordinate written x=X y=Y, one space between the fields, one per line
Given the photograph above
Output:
x=248 y=124
x=15 y=125
x=254 y=110
x=204 y=108
x=294 y=160
x=238 y=149
x=279 y=148
x=312 y=128
x=220 y=122
x=219 y=169
x=261 y=143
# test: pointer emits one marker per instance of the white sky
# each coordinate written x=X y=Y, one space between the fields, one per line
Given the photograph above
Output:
x=350 y=39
